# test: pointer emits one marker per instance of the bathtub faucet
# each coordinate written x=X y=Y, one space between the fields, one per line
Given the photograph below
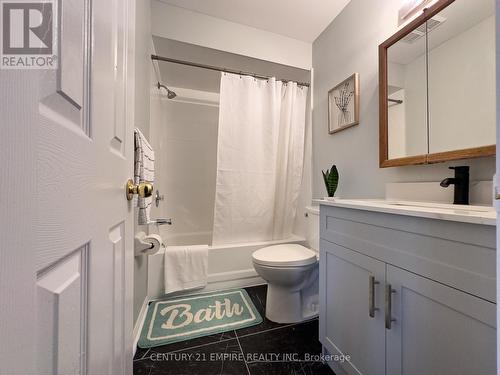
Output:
x=161 y=222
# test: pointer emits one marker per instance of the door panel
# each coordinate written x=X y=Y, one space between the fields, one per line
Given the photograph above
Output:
x=345 y=324
x=64 y=99
x=118 y=242
x=85 y=156
x=66 y=263
x=72 y=51
x=432 y=324
x=120 y=83
x=61 y=315
x=64 y=146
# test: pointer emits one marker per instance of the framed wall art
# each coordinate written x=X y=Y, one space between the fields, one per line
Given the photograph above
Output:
x=343 y=105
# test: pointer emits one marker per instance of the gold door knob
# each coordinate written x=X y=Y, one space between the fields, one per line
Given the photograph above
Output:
x=144 y=189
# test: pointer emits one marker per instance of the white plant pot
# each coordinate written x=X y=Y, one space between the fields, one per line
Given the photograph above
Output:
x=331 y=199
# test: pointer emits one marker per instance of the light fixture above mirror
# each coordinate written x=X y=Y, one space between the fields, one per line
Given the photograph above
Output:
x=411 y=9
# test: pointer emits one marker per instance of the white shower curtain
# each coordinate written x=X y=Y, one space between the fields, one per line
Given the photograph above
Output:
x=260 y=157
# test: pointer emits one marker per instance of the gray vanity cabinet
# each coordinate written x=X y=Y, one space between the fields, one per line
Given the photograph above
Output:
x=345 y=322
x=438 y=329
x=388 y=295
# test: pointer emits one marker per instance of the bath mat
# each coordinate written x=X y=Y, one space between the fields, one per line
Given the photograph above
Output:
x=184 y=318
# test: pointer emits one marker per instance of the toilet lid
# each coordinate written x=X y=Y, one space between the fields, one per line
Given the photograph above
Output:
x=284 y=255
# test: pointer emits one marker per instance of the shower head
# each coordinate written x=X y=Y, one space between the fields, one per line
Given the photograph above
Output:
x=170 y=93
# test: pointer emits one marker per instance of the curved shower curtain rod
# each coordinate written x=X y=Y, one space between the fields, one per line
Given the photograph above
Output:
x=216 y=68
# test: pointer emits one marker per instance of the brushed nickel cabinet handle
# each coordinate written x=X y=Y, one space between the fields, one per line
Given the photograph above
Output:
x=371 y=296
x=388 y=306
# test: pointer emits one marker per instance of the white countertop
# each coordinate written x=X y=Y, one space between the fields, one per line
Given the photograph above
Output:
x=466 y=214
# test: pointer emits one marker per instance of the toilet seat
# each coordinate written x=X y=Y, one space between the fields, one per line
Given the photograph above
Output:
x=285 y=255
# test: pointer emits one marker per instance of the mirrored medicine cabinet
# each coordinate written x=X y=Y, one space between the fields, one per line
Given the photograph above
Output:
x=437 y=86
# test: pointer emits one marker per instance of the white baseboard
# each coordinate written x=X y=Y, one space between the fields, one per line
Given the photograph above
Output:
x=232 y=275
x=232 y=280
x=234 y=283
x=139 y=323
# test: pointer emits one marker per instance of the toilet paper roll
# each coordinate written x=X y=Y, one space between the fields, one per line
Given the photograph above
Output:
x=154 y=240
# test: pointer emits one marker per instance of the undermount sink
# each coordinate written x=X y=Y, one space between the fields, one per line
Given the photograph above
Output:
x=443 y=206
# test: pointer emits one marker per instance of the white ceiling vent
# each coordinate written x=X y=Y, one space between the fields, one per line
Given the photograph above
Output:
x=419 y=32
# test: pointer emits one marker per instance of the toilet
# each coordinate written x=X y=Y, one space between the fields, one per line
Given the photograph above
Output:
x=291 y=271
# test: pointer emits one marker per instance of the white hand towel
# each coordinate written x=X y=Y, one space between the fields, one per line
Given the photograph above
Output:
x=144 y=171
x=186 y=267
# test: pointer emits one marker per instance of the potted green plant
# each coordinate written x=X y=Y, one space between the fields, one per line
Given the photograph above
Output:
x=331 y=178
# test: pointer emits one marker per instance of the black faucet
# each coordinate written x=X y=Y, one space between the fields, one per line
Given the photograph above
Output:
x=461 y=182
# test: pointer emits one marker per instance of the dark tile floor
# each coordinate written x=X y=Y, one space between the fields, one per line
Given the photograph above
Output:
x=256 y=350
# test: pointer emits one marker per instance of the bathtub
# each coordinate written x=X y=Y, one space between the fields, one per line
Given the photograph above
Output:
x=190 y=238
x=229 y=266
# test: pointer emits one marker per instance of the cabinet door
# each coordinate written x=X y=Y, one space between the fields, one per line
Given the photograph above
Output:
x=438 y=329
x=346 y=326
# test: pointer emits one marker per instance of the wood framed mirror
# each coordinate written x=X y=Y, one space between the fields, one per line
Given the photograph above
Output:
x=437 y=86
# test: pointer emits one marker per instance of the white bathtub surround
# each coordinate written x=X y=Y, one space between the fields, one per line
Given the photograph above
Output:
x=184 y=136
x=260 y=158
x=144 y=171
x=186 y=267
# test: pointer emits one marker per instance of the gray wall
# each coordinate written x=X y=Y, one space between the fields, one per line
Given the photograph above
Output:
x=143 y=45
x=348 y=45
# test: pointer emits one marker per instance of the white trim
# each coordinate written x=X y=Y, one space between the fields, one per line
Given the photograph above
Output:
x=232 y=275
x=139 y=324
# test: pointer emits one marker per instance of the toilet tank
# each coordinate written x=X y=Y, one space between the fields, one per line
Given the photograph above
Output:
x=312 y=227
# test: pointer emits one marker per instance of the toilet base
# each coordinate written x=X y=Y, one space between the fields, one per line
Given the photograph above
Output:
x=285 y=306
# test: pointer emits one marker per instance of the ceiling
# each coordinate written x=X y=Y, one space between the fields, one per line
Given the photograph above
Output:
x=299 y=19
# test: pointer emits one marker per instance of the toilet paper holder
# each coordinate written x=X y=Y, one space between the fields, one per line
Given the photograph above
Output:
x=145 y=245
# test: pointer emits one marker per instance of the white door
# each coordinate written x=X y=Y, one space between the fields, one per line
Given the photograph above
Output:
x=438 y=329
x=66 y=263
x=497 y=176
x=350 y=323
